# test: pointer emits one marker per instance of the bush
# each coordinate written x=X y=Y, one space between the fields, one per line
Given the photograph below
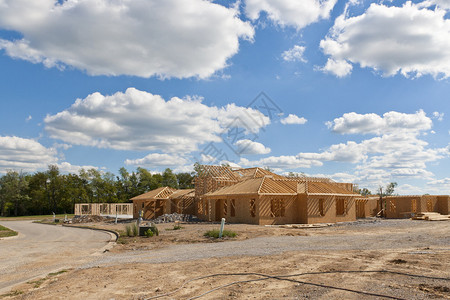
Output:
x=215 y=233
x=155 y=230
x=148 y=233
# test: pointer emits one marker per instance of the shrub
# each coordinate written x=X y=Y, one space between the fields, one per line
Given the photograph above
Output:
x=135 y=228
x=155 y=230
x=132 y=229
x=148 y=233
x=215 y=233
x=128 y=230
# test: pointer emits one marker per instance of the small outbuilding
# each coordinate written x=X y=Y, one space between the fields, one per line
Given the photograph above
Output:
x=153 y=203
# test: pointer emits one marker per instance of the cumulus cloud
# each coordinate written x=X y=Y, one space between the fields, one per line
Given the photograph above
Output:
x=24 y=154
x=397 y=151
x=298 y=14
x=340 y=67
x=412 y=40
x=293 y=119
x=29 y=155
x=351 y=123
x=294 y=54
x=164 y=38
x=157 y=160
x=140 y=121
x=250 y=147
x=439 y=116
x=66 y=167
x=281 y=162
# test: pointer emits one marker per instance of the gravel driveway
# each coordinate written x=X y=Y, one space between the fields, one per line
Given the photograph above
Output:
x=386 y=234
x=40 y=249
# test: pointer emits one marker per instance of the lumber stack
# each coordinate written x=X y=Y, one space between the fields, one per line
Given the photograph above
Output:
x=431 y=216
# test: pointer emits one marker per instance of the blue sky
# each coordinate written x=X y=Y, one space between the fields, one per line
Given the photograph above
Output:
x=360 y=88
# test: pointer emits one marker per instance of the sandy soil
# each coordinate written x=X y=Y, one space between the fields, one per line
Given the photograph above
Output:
x=352 y=270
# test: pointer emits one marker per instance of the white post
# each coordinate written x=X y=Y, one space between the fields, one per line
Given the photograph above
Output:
x=222 y=225
x=54 y=217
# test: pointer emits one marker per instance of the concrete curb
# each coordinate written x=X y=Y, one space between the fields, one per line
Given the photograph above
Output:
x=115 y=233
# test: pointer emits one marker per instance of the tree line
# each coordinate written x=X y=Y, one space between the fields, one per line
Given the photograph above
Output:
x=50 y=191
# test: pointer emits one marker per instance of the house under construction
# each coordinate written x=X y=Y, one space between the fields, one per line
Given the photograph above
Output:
x=258 y=196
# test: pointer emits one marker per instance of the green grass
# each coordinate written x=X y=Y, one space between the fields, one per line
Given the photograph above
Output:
x=215 y=233
x=37 y=217
x=5 y=232
x=175 y=227
x=37 y=283
x=12 y=294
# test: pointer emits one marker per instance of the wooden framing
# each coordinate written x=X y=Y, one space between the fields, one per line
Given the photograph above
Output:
x=398 y=207
x=269 y=199
x=123 y=210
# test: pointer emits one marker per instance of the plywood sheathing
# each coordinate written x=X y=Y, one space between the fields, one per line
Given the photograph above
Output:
x=328 y=188
x=407 y=206
x=153 y=203
x=181 y=202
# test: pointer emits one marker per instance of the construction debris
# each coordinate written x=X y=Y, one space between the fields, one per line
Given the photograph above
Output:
x=169 y=218
x=87 y=219
x=431 y=216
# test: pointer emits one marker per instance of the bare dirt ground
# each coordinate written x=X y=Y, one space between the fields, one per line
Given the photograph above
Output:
x=388 y=259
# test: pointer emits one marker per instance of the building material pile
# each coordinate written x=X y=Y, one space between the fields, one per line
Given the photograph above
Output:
x=87 y=219
x=431 y=216
x=169 y=218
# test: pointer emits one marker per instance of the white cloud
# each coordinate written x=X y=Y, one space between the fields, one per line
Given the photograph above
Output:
x=137 y=120
x=28 y=118
x=157 y=159
x=24 y=154
x=412 y=40
x=29 y=155
x=439 y=116
x=445 y=4
x=440 y=186
x=340 y=68
x=408 y=189
x=293 y=119
x=396 y=152
x=294 y=13
x=164 y=38
x=250 y=147
x=372 y=123
x=349 y=152
x=281 y=162
x=294 y=54
x=66 y=167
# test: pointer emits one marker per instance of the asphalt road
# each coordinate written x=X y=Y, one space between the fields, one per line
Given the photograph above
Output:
x=40 y=249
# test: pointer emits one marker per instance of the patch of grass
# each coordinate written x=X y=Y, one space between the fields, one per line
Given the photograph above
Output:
x=37 y=283
x=37 y=217
x=215 y=233
x=132 y=229
x=6 y=232
x=57 y=273
x=12 y=293
x=175 y=227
